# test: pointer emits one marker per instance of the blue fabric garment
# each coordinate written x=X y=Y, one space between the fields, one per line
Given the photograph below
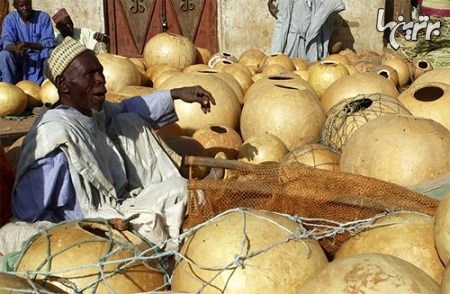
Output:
x=38 y=29
x=303 y=28
x=46 y=191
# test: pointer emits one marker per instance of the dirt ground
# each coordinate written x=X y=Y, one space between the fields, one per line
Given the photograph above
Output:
x=13 y=128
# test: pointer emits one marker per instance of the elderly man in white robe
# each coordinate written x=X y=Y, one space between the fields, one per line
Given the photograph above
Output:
x=89 y=158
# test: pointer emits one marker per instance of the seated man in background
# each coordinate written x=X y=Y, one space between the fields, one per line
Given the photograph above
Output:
x=89 y=158
x=27 y=40
x=91 y=39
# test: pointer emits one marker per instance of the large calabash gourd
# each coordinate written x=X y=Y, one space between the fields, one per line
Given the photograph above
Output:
x=247 y=251
x=430 y=100
x=349 y=115
x=273 y=69
x=164 y=76
x=352 y=85
x=401 y=66
x=288 y=79
x=171 y=49
x=439 y=75
x=14 y=283
x=119 y=72
x=49 y=93
x=278 y=59
x=400 y=149
x=219 y=138
x=226 y=112
x=314 y=155
x=322 y=74
x=75 y=251
x=240 y=73
x=202 y=55
x=442 y=230
x=187 y=146
x=262 y=147
x=445 y=283
x=195 y=68
x=408 y=236
x=13 y=100
x=32 y=90
x=252 y=58
x=128 y=92
x=386 y=71
x=13 y=153
x=220 y=57
x=229 y=79
x=420 y=66
x=292 y=114
x=140 y=65
x=370 y=273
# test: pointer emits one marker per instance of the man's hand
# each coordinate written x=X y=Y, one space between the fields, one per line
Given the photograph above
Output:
x=194 y=94
x=273 y=9
x=19 y=48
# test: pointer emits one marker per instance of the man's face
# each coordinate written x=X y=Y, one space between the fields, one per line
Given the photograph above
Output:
x=65 y=26
x=85 y=83
x=24 y=8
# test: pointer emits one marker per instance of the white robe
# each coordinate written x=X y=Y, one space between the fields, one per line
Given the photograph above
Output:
x=303 y=28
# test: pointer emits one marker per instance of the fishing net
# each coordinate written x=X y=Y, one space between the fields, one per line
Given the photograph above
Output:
x=296 y=189
x=349 y=115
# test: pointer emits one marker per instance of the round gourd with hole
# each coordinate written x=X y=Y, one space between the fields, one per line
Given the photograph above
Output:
x=442 y=230
x=439 y=75
x=314 y=155
x=252 y=58
x=226 y=112
x=289 y=80
x=400 y=149
x=292 y=114
x=370 y=273
x=171 y=49
x=353 y=85
x=229 y=79
x=74 y=252
x=420 y=66
x=322 y=74
x=402 y=68
x=219 y=138
x=429 y=100
x=349 y=115
x=386 y=71
x=279 y=59
x=406 y=235
x=247 y=251
x=13 y=100
x=262 y=147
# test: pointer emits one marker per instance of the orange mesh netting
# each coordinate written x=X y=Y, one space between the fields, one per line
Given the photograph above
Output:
x=299 y=190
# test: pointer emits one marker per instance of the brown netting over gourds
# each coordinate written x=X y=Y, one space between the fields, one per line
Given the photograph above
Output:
x=298 y=190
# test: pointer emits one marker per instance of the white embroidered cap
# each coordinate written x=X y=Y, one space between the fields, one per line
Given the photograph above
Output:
x=62 y=56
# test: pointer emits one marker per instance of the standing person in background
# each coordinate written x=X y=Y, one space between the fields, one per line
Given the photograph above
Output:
x=91 y=39
x=27 y=38
x=303 y=28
